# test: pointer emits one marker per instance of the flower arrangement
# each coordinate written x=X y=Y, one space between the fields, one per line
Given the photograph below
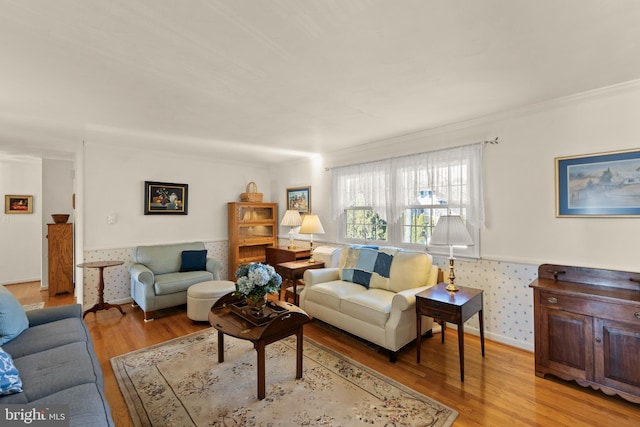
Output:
x=256 y=280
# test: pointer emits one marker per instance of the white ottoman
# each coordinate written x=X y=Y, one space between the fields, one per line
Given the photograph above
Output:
x=202 y=296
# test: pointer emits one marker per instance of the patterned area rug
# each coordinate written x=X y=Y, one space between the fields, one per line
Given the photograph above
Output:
x=181 y=383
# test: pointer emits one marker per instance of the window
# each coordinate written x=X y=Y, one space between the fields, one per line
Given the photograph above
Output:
x=399 y=201
x=363 y=223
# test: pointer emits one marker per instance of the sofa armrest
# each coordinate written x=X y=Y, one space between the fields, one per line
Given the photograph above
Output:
x=214 y=266
x=320 y=275
x=406 y=300
x=142 y=274
x=52 y=314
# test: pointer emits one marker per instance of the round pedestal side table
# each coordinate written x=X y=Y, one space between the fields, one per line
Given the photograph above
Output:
x=101 y=305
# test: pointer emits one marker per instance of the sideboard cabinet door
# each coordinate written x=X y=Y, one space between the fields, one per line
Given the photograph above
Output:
x=618 y=355
x=566 y=345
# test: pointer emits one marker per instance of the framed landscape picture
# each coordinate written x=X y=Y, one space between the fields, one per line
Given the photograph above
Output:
x=164 y=198
x=605 y=184
x=299 y=199
x=18 y=204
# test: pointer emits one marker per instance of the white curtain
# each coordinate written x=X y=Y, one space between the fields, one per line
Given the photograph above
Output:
x=366 y=184
x=389 y=186
x=452 y=176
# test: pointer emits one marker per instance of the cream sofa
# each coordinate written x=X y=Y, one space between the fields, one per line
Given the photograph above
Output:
x=371 y=294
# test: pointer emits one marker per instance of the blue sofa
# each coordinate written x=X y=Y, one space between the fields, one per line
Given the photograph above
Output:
x=57 y=364
x=161 y=274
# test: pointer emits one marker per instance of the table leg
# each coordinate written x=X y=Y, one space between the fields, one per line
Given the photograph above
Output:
x=260 y=349
x=220 y=347
x=419 y=335
x=101 y=305
x=442 y=326
x=481 y=320
x=461 y=348
x=299 y=347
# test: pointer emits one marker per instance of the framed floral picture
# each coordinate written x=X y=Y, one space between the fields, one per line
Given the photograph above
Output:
x=18 y=204
x=604 y=184
x=299 y=199
x=164 y=198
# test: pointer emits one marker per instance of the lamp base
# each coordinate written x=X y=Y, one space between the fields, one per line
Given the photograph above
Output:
x=451 y=287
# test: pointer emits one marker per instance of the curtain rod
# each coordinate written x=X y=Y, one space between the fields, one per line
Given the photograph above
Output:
x=491 y=142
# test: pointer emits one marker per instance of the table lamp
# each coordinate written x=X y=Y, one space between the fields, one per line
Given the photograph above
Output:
x=451 y=231
x=311 y=225
x=291 y=219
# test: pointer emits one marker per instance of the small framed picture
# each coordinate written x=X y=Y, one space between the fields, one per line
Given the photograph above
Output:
x=605 y=184
x=164 y=198
x=299 y=199
x=18 y=204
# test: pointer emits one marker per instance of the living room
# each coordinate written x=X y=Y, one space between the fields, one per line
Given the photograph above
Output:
x=521 y=229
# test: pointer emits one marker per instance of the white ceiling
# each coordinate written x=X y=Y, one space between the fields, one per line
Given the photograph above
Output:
x=235 y=79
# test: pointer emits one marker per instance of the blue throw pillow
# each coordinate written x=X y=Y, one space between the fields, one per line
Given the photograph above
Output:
x=13 y=319
x=194 y=260
x=10 y=381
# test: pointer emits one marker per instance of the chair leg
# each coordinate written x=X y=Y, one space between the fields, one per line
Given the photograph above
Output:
x=393 y=356
x=148 y=316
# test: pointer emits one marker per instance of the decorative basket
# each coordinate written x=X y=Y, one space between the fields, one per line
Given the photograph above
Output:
x=252 y=194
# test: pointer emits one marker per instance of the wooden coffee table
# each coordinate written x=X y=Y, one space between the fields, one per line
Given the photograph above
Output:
x=285 y=319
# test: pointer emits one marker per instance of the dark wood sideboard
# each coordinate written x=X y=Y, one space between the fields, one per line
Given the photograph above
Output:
x=587 y=327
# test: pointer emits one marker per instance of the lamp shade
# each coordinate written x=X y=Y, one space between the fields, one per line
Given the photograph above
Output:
x=311 y=225
x=291 y=218
x=451 y=231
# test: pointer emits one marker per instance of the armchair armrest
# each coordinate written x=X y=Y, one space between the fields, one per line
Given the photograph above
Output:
x=52 y=314
x=214 y=266
x=320 y=275
x=142 y=274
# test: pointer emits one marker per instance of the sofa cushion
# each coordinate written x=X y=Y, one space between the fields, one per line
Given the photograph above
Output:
x=56 y=369
x=194 y=260
x=86 y=404
x=10 y=381
x=47 y=336
x=409 y=270
x=163 y=259
x=372 y=306
x=331 y=293
x=172 y=283
x=13 y=319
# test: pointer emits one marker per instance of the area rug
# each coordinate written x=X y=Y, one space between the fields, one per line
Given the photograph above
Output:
x=181 y=383
x=34 y=306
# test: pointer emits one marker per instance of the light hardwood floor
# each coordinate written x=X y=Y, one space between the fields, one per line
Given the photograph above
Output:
x=499 y=390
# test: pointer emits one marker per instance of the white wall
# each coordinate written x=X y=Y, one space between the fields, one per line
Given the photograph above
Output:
x=20 y=234
x=114 y=186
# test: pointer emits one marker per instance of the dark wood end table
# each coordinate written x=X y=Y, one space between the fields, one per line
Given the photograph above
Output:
x=289 y=321
x=454 y=307
x=101 y=305
x=294 y=270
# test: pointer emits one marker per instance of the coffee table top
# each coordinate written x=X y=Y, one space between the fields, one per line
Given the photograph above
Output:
x=285 y=318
